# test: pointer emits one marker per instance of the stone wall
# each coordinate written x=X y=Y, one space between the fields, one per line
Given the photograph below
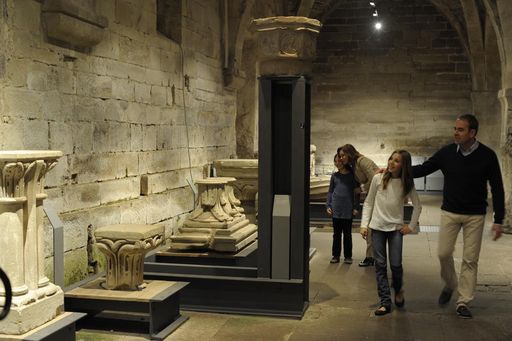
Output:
x=122 y=110
x=400 y=87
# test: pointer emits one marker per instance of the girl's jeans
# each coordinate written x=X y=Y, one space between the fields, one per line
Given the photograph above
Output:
x=394 y=240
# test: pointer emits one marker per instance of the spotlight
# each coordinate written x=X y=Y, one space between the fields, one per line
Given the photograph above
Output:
x=372 y=3
x=375 y=13
x=378 y=26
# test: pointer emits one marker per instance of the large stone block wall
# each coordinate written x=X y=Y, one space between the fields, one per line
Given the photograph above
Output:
x=401 y=87
x=120 y=111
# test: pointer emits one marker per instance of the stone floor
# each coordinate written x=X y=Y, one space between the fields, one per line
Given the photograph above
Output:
x=343 y=297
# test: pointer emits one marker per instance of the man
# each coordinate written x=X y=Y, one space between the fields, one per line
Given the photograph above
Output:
x=467 y=166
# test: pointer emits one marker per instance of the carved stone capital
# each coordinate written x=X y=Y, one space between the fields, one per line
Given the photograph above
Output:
x=286 y=45
x=125 y=246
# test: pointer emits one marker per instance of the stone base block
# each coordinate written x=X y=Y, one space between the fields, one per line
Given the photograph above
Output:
x=60 y=328
x=25 y=318
x=237 y=241
x=190 y=241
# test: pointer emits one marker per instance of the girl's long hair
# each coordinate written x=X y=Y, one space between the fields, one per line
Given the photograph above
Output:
x=352 y=154
x=405 y=173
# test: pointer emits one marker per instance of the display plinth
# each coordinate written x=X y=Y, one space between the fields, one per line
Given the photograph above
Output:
x=245 y=257
x=60 y=328
x=156 y=306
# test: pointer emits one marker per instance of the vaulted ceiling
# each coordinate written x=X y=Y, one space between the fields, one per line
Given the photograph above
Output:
x=320 y=9
x=475 y=21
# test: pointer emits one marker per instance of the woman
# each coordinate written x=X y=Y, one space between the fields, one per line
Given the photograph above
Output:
x=364 y=169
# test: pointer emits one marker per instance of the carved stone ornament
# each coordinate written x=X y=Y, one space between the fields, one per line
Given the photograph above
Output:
x=73 y=23
x=286 y=45
x=35 y=299
x=217 y=223
x=125 y=246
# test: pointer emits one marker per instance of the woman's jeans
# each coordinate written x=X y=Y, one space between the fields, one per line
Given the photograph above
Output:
x=394 y=240
x=339 y=226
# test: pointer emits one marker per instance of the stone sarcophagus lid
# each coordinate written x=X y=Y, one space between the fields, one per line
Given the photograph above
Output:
x=245 y=172
x=73 y=23
x=217 y=223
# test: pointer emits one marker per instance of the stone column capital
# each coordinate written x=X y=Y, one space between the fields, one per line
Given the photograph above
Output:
x=125 y=246
x=286 y=45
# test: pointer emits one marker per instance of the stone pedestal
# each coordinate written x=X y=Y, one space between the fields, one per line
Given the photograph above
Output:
x=286 y=45
x=35 y=299
x=125 y=246
x=217 y=223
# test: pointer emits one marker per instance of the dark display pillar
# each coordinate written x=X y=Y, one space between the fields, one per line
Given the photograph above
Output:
x=284 y=130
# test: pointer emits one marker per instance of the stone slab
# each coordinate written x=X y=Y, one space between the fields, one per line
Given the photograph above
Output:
x=94 y=290
x=229 y=247
x=27 y=155
x=129 y=231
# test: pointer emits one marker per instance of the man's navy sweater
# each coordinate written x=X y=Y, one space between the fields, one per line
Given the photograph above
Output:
x=465 y=180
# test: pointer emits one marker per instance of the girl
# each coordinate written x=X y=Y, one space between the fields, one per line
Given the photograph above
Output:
x=341 y=205
x=364 y=169
x=383 y=212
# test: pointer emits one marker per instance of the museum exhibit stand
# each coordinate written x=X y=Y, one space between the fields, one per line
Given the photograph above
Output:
x=150 y=306
x=270 y=275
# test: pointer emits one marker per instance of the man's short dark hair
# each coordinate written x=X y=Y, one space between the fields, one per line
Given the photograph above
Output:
x=471 y=119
